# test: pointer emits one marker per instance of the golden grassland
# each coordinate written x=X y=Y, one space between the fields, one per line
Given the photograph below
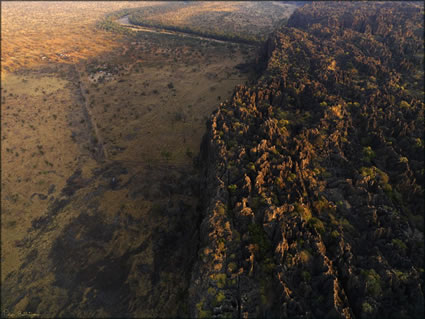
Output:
x=68 y=90
x=135 y=114
x=37 y=152
x=33 y=33
x=154 y=109
x=246 y=19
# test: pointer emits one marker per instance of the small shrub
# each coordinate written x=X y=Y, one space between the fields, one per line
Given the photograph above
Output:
x=402 y=276
x=304 y=212
x=259 y=237
x=419 y=143
x=291 y=178
x=232 y=188
x=346 y=224
x=317 y=224
x=251 y=166
x=323 y=206
x=202 y=313
x=373 y=282
x=221 y=280
x=221 y=210
x=335 y=234
x=220 y=297
x=368 y=171
x=399 y=244
x=367 y=308
x=368 y=154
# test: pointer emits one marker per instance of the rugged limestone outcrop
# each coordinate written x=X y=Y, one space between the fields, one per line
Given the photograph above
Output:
x=313 y=175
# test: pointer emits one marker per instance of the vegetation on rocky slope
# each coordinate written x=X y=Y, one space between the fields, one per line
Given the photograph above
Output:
x=248 y=22
x=314 y=174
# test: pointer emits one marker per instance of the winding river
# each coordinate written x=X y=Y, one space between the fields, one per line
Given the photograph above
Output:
x=124 y=21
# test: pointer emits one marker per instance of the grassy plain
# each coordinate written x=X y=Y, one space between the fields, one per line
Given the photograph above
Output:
x=36 y=32
x=99 y=131
x=153 y=107
x=246 y=20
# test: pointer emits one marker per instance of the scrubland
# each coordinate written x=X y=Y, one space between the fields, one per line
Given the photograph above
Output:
x=100 y=131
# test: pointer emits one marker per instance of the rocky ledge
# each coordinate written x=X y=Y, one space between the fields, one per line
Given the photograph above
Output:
x=313 y=175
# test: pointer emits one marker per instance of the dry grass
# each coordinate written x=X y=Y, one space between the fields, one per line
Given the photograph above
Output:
x=142 y=119
x=150 y=128
x=35 y=33
x=245 y=19
x=41 y=112
x=37 y=152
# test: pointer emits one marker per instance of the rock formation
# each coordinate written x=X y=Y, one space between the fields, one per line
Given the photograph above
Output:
x=313 y=175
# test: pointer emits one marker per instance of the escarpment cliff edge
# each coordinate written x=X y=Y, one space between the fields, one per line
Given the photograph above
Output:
x=313 y=176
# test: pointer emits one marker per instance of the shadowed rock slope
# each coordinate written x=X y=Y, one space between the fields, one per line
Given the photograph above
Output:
x=313 y=176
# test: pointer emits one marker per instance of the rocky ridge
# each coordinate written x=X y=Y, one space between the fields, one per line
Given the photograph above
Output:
x=313 y=175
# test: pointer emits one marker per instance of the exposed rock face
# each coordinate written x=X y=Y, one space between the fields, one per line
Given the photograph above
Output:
x=313 y=176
